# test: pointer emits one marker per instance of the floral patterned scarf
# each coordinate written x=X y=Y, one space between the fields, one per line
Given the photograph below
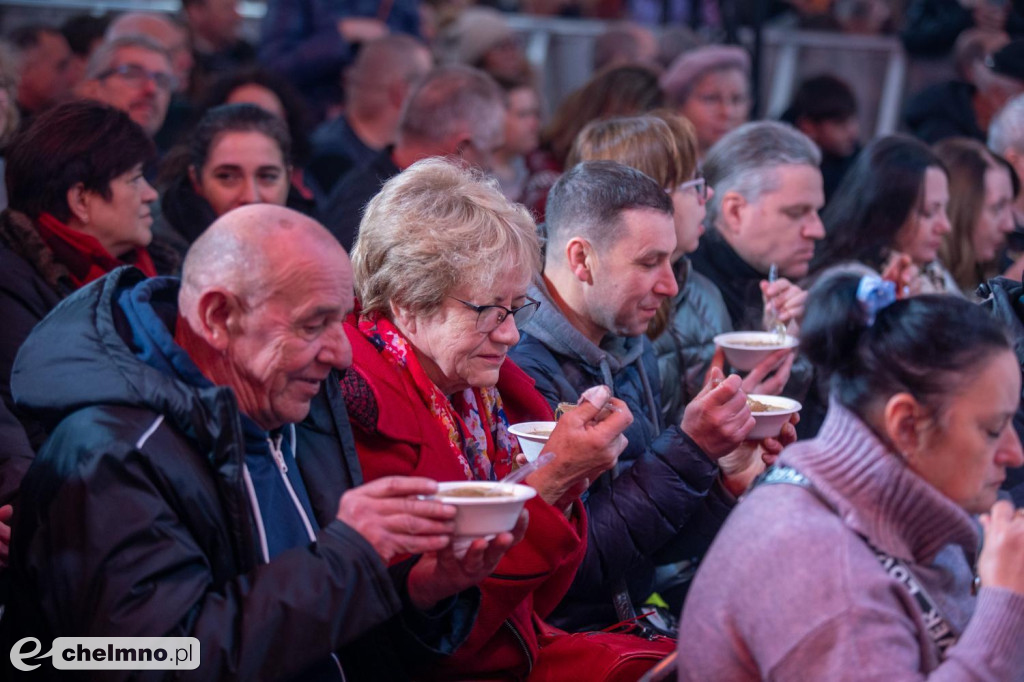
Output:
x=473 y=419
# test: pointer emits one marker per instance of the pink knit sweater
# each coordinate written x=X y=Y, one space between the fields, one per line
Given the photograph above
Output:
x=789 y=591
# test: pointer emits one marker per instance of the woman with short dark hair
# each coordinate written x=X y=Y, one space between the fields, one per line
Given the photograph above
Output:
x=79 y=207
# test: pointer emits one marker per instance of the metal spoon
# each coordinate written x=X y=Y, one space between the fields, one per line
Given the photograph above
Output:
x=773 y=322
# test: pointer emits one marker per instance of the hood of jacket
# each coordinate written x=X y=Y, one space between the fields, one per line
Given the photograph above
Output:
x=52 y=379
x=18 y=232
x=550 y=327
x=552 y=330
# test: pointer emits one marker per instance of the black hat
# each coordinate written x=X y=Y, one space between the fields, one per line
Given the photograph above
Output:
x=1008 y=61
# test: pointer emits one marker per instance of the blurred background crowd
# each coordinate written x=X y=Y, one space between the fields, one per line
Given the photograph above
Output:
x=843 y=71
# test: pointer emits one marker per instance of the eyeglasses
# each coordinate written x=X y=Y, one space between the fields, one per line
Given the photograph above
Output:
x=719 y=100
x=699 y=185
x=137 y=75
x=490 y=317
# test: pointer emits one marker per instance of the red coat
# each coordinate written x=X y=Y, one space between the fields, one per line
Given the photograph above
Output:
x=396 y=434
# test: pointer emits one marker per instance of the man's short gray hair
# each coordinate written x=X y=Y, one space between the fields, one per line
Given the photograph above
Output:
x=744 y=161
x=1007 y=128
x=102 y=58
x=588 y=201
x=452 y=100
x=434 y=227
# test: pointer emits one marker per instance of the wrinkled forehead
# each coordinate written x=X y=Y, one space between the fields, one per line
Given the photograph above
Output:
x=321 y=275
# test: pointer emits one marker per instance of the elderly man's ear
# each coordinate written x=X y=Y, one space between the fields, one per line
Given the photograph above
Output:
x=220 y=317
x=731 y=215
x=581 y=258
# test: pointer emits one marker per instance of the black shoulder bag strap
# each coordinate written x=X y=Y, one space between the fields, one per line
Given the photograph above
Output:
x=940 y=631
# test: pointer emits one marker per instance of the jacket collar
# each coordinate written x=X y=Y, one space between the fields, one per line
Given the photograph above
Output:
x=18 y=232
x=396 y=400
x=551 y=328
x=734 y=277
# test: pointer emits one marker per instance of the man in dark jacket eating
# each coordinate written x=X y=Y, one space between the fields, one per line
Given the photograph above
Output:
x=607 y=269
x=175 y=497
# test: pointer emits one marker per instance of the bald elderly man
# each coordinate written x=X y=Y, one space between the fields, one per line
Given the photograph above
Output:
x=175 y=497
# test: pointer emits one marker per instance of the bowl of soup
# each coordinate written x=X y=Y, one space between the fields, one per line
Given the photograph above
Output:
x=483 y=508
x=770 y=413
x=744 y=350
x=532 y=437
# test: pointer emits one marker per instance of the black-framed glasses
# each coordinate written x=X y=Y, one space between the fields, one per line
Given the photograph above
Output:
x=490 y=317
x=138 y=75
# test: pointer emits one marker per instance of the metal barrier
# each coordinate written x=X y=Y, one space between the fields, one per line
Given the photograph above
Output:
x=562 y=51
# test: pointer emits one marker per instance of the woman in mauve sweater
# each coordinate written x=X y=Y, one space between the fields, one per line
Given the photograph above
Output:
x=916 y=441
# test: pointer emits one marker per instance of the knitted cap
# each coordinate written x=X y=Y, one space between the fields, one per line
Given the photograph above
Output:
x=690 y=66
x=473 y=34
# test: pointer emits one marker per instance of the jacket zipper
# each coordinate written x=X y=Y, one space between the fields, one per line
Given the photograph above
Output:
x=282 y=467
x=522 y=644
x=275 y=450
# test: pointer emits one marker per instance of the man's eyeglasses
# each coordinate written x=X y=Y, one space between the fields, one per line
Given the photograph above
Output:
x=138 y=75
x=490 y=317
x=699 y=185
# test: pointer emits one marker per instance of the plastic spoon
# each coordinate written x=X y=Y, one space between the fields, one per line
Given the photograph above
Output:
x=519 y=474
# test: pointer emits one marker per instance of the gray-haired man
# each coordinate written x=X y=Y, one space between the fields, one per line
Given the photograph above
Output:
x=768 y=191
x=607 y=270
x=456 y=112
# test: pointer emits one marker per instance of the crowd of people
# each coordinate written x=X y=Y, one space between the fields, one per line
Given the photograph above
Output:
x=260 y=300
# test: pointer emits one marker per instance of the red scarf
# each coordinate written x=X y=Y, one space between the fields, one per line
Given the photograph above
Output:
x=474 y=419
x=83 y=255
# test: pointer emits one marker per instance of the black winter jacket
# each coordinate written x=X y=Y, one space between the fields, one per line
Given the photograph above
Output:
x=135 y=521
x=661 y=503
x=943 y=110
x=32 y=283
x=1004 y=298
x=738 y=283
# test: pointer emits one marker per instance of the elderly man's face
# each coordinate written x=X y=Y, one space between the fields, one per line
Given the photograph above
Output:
x=283 y=347
x=138 y=83
x=781 y=226
x=631 y=278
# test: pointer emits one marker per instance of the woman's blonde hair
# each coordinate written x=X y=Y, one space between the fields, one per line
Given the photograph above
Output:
x=661 y=144
x=434 y=227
